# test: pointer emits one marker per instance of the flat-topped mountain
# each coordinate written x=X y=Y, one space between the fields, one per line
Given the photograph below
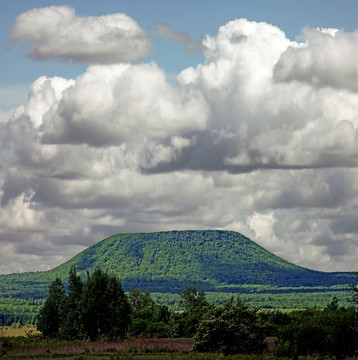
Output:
x=169 y=261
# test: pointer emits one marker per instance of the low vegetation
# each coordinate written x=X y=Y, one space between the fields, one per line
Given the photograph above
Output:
x=147 y=330
x=35 y=347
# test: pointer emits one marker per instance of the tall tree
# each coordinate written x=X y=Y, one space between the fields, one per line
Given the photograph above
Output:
x=72 y=323
x=105 y=307
x=94 y=308
x=51 y=313
x=192 y=299
x=195 y=306
x=118 y=309
x=140 y=301
x=147 y=318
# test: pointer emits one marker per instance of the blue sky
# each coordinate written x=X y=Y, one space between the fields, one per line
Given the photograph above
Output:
x=235 y=115
x=197 y=18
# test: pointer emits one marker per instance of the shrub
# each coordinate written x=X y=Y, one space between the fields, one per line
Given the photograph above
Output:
x=329 y=332
x=233 y=328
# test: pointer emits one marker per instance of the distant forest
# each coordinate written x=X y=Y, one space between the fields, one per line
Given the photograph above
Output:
x=97 y=308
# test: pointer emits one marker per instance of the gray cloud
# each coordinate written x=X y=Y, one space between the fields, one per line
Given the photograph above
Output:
x=231 y=146
x=342 y=226
x=165 y=31
x=326 y=58
x=56 y=32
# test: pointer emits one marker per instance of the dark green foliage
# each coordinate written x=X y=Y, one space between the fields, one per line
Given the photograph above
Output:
x=192 y=299
x=72 y=325
x=96 y=308
x=195 y=307
x=148 y=318
x=51 y=313
x=332 y=331
x=140 y=301
x=186 y=323
x=273 y=321
x=105 y=307
x=151 y=319
x=233 y=328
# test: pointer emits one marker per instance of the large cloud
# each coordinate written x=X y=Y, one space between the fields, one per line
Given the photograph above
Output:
x=326 y=58
x=234 y=145
x=269 y=124
x=109 y=105
x=56 y=32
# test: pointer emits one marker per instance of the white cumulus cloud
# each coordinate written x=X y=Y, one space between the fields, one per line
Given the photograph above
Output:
x=112 y=104
x=56 y=32
x=261 y=122
x=327 y=57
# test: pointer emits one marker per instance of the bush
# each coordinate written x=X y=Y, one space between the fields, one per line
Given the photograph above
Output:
x=329 y=332
x=233 y=328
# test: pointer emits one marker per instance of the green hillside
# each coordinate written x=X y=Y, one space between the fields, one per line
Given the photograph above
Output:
x=223 y=263
x=167 y=262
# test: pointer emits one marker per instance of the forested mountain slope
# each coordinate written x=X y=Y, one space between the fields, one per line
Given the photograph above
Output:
x=170 y=261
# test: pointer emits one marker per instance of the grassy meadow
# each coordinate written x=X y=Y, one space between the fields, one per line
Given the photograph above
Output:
x=15 y=332
x=26 y=343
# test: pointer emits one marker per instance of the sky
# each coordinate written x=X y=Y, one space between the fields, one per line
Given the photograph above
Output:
x=141 y=116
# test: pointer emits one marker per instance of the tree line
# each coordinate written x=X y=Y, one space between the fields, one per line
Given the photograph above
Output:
x=97 y=307
x=94 y=308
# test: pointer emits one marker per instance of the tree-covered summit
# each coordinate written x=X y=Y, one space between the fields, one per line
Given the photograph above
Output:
x=168 y=262
x=210 y=259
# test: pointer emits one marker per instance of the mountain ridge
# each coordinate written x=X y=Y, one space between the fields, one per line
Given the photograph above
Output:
x=169 y=261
